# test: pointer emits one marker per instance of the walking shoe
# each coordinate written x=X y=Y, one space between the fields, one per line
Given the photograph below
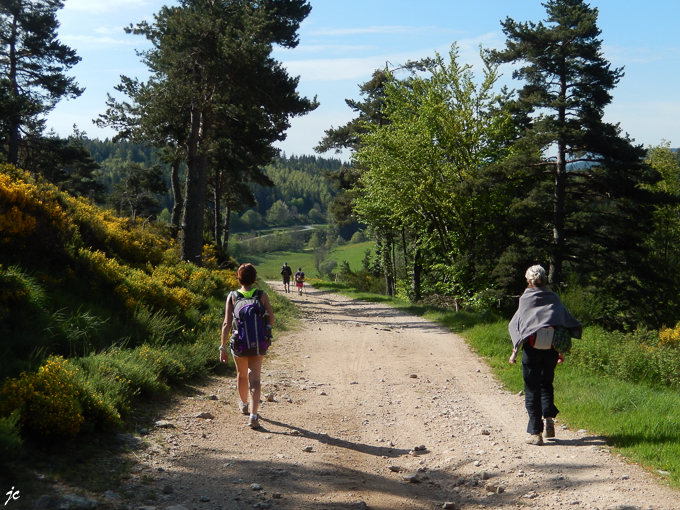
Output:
x=535 y=439
x=243 y=407
x=549 y=431
x=254 y=422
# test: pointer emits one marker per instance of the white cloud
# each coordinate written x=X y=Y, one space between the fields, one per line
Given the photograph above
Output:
x=393 y=29
x=354 y=68
x=102 y=6
x=80 y=41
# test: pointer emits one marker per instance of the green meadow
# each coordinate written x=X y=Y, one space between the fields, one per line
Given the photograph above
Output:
x=269 y=264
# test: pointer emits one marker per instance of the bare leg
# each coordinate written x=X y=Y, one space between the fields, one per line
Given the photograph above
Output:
x=254 y=370
x=242 y=377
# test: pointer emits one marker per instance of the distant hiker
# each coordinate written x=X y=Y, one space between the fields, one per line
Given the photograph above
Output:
x=536 y=326
x=286 y=272
x=250 y=313
x=299 y=280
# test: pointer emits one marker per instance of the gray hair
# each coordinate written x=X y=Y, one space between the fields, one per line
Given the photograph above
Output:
x=536 y=275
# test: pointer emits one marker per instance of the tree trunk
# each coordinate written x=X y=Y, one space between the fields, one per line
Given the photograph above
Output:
x=227 y=220
x=217 y=220
x=175 y=218
x=557 y=255
x=191 y=243
x=415 y=279
x=14 y=120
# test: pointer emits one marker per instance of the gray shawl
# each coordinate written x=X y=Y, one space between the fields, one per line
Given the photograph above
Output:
x=540 y=308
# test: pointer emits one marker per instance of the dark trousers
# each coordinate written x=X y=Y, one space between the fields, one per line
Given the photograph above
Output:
x=538 y=370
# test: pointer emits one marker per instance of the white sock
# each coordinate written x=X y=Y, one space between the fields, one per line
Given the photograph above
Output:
x=253 y=416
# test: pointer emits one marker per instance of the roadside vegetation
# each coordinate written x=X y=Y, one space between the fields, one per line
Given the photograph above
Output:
x=97 y=315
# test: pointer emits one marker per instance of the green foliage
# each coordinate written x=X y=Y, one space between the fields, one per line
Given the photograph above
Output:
x=11 y=444
x=636 y=357
x=421 y=170
x=584 y=204
x=51 y=402
x=300 y=184
x=34 y=67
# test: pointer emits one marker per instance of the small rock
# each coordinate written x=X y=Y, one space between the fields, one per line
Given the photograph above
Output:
x=485 y=475
x=413 y=376
x=530 y=495
x=111 y=495
x=163 y=424
x=205 y=499
x=663 y=473
x=270 y=397
x=625 y=477
x=485 y=432
x=520 y=393
x=277 y=495
x=500 y=489
x=73 y=502
x=477 y=463
x=411 y=478
x=177 y=507
x=420 y=448
x=354 y=382
x=390 y=444
x=395 y=469
x=144 y=432
x=256 y=486
x=449 y=505
x=213 y=397
x=168 y=489
x=308 y=449
x=205 y=416
x=322 y=393
x=43 y=503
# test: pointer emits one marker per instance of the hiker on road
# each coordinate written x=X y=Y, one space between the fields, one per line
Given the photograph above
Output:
x=286 y=273
x=535 y=327
x=299 y=280
x=250 y=311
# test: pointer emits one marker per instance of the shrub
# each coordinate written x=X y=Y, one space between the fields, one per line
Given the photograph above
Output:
x=54 y=402
x=10 y=440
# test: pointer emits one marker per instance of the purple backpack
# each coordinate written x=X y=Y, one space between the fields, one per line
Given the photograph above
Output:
x=249 y=327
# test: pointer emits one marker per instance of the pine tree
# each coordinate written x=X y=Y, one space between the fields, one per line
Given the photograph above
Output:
x=580 y=175
x=33 y=64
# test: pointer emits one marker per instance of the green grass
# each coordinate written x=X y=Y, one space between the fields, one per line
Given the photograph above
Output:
x=269 y=264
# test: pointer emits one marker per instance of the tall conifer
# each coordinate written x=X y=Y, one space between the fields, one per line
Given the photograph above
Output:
x=582 y=202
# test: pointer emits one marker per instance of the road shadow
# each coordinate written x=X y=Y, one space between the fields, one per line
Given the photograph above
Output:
x=377 y=451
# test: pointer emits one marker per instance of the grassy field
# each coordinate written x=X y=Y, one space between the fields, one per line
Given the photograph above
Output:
x=269 y=264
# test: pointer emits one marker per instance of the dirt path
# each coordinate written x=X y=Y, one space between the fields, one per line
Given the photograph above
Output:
x=376 y=409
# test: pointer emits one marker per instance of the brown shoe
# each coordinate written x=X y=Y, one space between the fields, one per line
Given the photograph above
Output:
x=549 y=431
x=535 y=439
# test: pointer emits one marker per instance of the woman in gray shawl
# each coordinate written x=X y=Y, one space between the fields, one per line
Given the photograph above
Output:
x=539 y=311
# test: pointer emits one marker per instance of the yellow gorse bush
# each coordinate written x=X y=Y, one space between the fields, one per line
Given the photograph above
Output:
x=48 y=401
x=23 y=205
x=670 y=337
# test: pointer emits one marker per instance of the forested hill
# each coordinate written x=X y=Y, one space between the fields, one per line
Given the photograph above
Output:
x=300 y=182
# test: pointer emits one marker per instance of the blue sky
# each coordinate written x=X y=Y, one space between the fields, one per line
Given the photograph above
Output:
x=343 y=41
